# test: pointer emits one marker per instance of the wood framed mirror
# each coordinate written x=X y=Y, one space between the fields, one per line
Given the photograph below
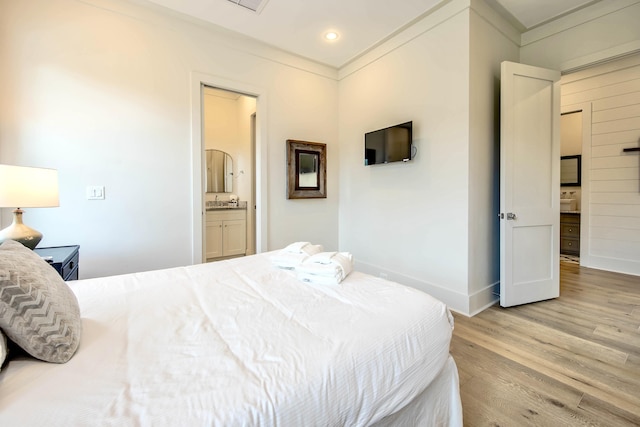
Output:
x=306 y=170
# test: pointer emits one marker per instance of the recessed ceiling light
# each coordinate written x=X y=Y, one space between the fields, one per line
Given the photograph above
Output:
x=331 y=36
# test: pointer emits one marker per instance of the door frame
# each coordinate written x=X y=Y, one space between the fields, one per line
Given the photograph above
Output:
x=198 y=80
x=585 y=178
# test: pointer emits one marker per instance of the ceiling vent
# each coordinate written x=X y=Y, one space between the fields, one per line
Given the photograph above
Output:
x=255 y=5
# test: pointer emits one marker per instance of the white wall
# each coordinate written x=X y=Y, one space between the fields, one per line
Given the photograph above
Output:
x=220 y=122
x=570 y=145
x=100 y=90
x=492 y=41
x=571 y=134
x=409 y=220
x=417 y=222
x=610 y=229
x=244 y=168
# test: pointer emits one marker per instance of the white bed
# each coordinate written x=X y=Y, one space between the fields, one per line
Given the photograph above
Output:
x=242 y=343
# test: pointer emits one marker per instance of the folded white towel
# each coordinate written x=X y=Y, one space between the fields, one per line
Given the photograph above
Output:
x=296 y=247
x=325 y=267
x=326 y=262
x=319 y=280
x=288 y=260
x=294 y=254
x=303 y=248
x=323 y=258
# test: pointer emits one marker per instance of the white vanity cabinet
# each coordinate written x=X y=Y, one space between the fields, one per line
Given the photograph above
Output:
x=226 y=233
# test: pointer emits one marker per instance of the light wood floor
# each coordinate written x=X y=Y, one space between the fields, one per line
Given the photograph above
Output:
x=572 y=361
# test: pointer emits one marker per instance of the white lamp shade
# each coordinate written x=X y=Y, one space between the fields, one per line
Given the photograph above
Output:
x=25 y=187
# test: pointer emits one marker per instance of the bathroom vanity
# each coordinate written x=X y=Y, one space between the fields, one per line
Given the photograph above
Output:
x=570 y=233
x=226 y=231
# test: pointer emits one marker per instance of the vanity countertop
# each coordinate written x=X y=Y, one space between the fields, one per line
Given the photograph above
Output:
x=224 y=206
x=571 y=212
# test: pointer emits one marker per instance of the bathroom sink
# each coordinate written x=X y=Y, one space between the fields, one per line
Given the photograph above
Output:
x=567 y=204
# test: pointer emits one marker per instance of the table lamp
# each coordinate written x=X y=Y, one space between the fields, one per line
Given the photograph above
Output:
x=25 y=187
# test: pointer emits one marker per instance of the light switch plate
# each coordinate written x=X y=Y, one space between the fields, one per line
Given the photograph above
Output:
x=95 y=192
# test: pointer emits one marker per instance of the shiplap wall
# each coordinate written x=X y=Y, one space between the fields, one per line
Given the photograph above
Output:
x=610 y=95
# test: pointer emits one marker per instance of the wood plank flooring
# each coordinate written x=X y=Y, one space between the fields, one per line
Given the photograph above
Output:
x=571 y=361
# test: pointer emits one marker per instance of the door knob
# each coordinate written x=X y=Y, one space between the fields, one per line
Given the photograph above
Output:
x=511 y=216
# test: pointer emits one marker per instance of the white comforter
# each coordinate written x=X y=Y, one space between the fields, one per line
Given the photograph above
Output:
x=234 y=343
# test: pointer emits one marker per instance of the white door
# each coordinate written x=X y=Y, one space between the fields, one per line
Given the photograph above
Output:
x=529 y=184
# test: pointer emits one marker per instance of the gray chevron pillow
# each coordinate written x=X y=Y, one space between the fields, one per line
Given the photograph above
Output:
x=38 y=311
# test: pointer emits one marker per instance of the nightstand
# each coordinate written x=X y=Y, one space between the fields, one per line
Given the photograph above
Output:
x=63 y=258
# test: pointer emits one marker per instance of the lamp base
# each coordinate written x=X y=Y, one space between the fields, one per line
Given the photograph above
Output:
x=20 y=233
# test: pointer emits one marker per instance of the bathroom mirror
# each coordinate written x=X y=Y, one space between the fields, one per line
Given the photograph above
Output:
x=306 y=170
x=570 y=170
x=219 y=172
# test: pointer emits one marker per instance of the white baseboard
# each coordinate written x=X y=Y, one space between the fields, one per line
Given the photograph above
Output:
x=484 y=298
x=467 y=305
x=611 y=264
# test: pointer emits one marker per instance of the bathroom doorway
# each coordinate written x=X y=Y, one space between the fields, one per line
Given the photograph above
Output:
x=256 y=163
x=571 y=141
x=228 y=129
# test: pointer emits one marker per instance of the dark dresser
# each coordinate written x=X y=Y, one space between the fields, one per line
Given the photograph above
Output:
x=63 y=258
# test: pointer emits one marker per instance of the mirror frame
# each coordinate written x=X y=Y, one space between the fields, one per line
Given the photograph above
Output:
x=578 y=180
x=294 y=149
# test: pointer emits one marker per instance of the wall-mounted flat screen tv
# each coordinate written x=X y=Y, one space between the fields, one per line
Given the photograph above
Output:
x=392 y=144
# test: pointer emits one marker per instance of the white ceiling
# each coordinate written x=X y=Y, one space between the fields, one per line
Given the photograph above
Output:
x=531 y=13
x=298 y=26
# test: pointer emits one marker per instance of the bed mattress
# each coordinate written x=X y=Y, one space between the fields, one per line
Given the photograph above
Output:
x=236 y=342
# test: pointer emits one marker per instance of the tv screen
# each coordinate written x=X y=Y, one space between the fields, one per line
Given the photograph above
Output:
x=392 y=144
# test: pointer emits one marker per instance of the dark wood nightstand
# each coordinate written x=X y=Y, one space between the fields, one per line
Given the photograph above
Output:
x=63 y=258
